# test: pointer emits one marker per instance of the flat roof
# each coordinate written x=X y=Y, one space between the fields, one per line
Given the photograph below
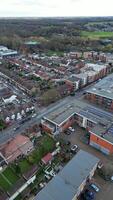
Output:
x=103 y=132
x=61 y=114
x=103 y=88
x=66 y=183
x=103 y=120
x=73 y=79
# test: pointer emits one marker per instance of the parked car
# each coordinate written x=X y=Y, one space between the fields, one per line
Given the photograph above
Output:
x=34 y=115
x=68 y=132
x=68 y=143
x=100 y=165
x=89 y=195
x=41 y=185
x=49 y=171
x=71 y=129
x=47 y=177
x=74 y=148
x=16 y=128
x=94 y=187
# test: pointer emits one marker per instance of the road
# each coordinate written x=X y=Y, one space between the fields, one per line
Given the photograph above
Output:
x=8 y=133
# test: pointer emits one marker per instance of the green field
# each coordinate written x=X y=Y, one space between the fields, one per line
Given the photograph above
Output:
x=7 y=179
x=96 y=35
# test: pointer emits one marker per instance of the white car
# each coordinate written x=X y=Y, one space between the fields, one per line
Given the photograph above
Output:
x=34 y=115
x=71 y=129
x=49 y=171
x=74 y=148
x=42 y=185
x=94 y=187
x=47 y=177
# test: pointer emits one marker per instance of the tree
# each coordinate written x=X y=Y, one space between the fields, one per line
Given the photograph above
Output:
x=17 y=169
x=50 y=96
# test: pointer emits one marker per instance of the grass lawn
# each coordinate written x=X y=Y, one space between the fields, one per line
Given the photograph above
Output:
x=51 y=53
x=96 y=35
x=47 y=144
x=4 y=184
x=7 y=179
x=24 y=165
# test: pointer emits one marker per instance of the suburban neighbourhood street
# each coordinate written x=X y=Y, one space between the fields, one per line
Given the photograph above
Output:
x=9 y=132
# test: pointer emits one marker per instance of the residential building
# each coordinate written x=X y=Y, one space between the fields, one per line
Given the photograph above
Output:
x=16 y=147
x=70 y=181
x=73 y=83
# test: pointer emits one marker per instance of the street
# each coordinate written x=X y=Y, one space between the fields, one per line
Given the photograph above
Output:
x=8 y=133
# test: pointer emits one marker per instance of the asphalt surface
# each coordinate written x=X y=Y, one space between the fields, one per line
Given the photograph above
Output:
x=8 y=133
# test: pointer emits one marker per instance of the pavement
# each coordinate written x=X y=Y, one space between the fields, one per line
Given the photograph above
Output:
x=8 y=133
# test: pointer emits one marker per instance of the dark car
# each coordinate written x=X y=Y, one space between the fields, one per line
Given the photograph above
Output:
x=68 y=143
x=89 y=195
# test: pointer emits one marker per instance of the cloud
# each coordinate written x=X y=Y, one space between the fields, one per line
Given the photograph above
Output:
x=37 y=8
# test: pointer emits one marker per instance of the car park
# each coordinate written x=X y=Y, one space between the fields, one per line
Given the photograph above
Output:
x=94 y=187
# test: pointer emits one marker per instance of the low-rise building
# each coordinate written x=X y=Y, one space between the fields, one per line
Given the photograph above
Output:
x=70 y=181
x=86 y=116
x=102 y=93
x=16 y=147
x=5 y=52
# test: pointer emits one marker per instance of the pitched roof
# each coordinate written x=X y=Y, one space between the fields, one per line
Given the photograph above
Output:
x=47 y=158
x=12 y=146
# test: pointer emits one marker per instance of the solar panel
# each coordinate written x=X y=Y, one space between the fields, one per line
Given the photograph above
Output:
x=100 y=113
x=110 y=130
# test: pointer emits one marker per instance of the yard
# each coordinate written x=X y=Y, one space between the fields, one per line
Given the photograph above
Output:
x=7 y=179
x=96 y=34
x=47 y=144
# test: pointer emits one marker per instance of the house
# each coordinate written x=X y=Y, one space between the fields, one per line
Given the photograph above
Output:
x=70 y=181
x=47 y=158
x=16 y=147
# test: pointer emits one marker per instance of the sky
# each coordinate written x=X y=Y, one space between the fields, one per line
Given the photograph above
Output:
x=55 y=8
